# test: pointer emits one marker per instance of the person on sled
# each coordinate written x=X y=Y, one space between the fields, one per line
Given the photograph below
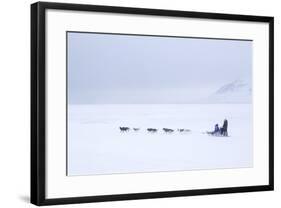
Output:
x=224 y=128
x=216 y=131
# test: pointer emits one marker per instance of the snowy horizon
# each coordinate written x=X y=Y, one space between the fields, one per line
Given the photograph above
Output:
x=124 y=69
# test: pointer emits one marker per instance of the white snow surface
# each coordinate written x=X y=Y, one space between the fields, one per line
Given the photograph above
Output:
x=96 y=145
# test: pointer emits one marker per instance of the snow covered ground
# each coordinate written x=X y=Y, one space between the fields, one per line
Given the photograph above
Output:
x=96 y=145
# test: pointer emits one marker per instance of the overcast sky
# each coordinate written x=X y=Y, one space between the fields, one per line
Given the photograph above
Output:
x=126 y=69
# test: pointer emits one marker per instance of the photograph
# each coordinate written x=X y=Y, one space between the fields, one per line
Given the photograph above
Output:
x=141 y=103
x=132 y=103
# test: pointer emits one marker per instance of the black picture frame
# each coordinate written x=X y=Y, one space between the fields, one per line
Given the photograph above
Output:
x=38 y=99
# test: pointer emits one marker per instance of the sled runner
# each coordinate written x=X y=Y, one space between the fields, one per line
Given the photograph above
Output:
x=217 y=134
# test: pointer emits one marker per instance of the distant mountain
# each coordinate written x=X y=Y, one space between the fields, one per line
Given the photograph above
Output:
x=236 y=86
x=238 y=91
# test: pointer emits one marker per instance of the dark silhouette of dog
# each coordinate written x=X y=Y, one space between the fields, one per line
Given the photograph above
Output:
x=152 y=130
x=168 y=130
x=184 y=130
x=124 y=129
x=136 y=129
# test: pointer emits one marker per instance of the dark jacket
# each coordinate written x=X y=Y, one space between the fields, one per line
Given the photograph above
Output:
x=216 y=128
x=225 y=125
